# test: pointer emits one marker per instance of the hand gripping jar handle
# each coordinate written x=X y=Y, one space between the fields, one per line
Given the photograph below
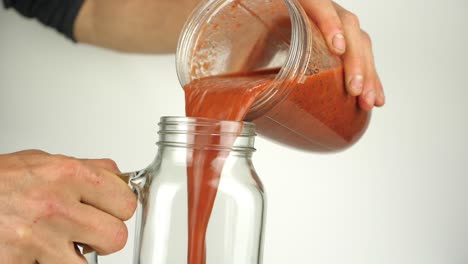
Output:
x=136 y=181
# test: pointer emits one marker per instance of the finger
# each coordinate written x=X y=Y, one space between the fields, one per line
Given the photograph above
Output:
x=58 y=252
x=99 y=230
x=52 y=228
x=372 y=91
x=371 y=71
x=109 y=165
x=15 y=255
x=323 y=14
x=353 y=59
x=107 y=192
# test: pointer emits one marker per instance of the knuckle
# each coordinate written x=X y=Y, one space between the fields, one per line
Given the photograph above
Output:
x=32 y=152
x=328 y=27
x=24 y=232
x=354 y=60
x=22 y=236
x=51 y=207
x=30 y=196
x=110 y=165
x=350 y=19
x=20 y=240
x=69 y=166
x=366 y=38
x=60 y=157
x=70 y=169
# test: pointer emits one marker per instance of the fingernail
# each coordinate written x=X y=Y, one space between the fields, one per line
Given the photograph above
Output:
x=339 y=42
x=355 y=85
x=370 y=98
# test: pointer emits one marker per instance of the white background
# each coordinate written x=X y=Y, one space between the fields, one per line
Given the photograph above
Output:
x=398 y=196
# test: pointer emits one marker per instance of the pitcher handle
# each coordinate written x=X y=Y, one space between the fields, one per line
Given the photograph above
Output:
x=136 y=181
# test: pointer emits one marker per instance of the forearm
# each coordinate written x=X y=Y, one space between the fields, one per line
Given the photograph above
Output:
x=144 y=26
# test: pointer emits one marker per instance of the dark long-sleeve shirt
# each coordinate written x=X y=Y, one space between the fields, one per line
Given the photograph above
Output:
x=58 y=14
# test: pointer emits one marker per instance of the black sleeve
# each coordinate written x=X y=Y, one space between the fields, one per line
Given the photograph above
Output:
x=58 y=14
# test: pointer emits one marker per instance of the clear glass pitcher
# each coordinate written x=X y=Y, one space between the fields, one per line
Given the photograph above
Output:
x=174 y=202
x=305 y=105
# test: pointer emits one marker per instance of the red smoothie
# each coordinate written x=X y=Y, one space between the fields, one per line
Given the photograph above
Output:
x=317 y=115
x=223 y=98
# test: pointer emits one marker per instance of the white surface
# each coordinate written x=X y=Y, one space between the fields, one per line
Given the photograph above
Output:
x=398 y=196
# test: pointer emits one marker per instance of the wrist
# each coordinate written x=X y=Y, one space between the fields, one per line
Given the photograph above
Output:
x=83 y=28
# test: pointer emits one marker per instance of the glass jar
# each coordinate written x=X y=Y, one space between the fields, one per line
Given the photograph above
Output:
x=199 y=157
x=306 y=105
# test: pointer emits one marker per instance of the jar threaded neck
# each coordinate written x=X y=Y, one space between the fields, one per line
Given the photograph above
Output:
x=205 y=133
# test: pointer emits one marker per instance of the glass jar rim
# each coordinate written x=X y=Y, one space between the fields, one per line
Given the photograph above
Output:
x=248 y=128
x=199 y=132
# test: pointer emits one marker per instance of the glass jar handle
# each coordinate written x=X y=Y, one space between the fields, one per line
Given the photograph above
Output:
x=136 y=181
